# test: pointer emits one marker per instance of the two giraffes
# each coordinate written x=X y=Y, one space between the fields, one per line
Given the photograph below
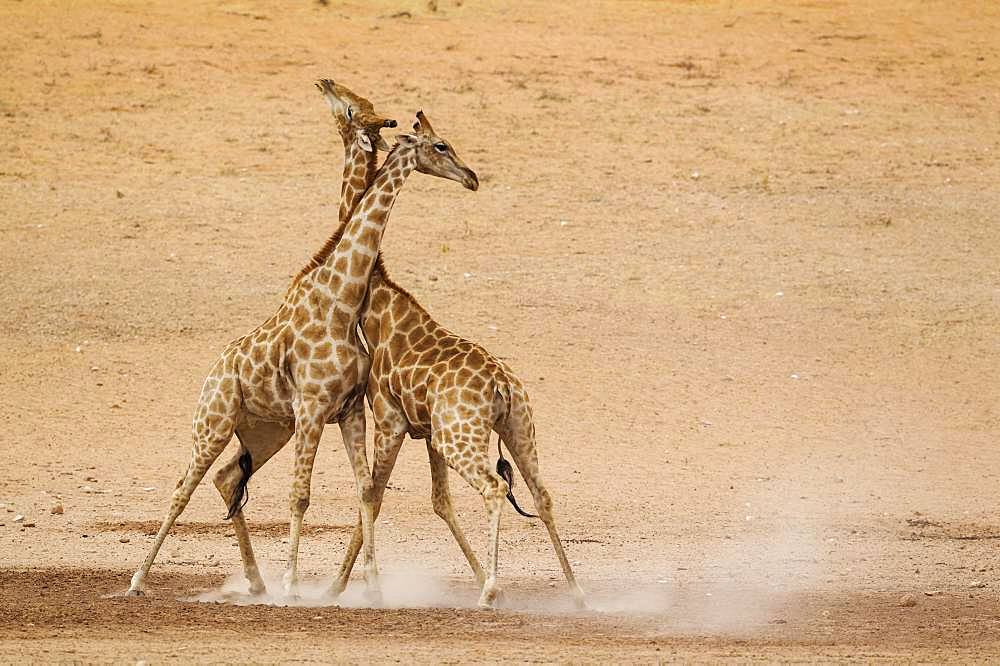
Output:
x=307 y=366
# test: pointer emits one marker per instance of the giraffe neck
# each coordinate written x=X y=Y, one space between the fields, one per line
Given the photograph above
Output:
x=359 y=172
x=350 y=264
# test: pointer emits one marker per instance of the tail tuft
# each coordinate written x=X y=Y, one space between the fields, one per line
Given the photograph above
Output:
x=240 y=495
x=506 y=472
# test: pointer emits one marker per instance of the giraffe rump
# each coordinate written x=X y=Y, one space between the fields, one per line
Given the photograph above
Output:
x=240 y=495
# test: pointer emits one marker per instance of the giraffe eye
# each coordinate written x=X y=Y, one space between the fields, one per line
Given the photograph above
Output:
x=350 y=113
x=441 y=147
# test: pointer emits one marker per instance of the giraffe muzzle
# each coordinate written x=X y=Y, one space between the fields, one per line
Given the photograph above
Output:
x=470 y=180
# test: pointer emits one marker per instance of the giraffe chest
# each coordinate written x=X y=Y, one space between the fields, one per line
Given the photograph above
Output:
x=280 y=370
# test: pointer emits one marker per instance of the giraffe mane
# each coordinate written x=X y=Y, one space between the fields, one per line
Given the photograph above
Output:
x=321 y=255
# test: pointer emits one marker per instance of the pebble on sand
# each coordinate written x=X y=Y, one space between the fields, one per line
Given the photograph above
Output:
x=908 y=601
x=57 y=510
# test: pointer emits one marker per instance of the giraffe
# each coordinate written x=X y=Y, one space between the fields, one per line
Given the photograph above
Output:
x=360 y=129
x=305 y=367
x=428 y=383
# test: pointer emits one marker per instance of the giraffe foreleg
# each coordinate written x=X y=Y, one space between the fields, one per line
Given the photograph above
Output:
x=310 y=417
x=386 y=449
x=352 y=427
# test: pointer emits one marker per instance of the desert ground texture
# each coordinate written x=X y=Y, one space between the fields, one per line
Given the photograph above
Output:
x=744 y=255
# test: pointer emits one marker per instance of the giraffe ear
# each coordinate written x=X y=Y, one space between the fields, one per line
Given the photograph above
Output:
x=406 y=139
x=365 y=142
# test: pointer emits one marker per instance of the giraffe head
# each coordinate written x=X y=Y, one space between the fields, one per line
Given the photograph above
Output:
x=435 y=156
x=355 y=116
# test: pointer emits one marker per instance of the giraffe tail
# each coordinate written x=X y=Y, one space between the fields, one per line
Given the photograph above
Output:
x=506 y=472
x=240 y=495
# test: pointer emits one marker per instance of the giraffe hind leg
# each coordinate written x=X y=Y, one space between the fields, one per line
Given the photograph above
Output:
x=525 y=455
x=205 y=453
x=258 y=443
x=213 y=427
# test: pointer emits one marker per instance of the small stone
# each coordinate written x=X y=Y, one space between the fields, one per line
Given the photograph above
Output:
x=317 y=617
x=124 y=540
x=908 y=601
x=977 y=583
x=932 y=593
x=92 y=479
x=29 y=524
x=56 y=510
x=18 y=518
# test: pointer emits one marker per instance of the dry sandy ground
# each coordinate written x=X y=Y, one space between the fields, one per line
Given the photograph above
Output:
x=746 y=257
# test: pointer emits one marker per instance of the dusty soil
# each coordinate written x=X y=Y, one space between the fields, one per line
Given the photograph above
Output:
x=746 y=257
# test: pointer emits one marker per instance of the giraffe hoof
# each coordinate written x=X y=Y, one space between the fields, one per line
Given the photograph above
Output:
x=336 y=589
x=135 y=592
x=488 y=599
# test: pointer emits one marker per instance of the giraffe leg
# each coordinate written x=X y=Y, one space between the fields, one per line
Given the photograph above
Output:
x=526 y=458
x=261 y=441
x=205 y=453
x=352 y=427
x=386 y=449
x=310 y=417
x=441 y=499
x=467 y=454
